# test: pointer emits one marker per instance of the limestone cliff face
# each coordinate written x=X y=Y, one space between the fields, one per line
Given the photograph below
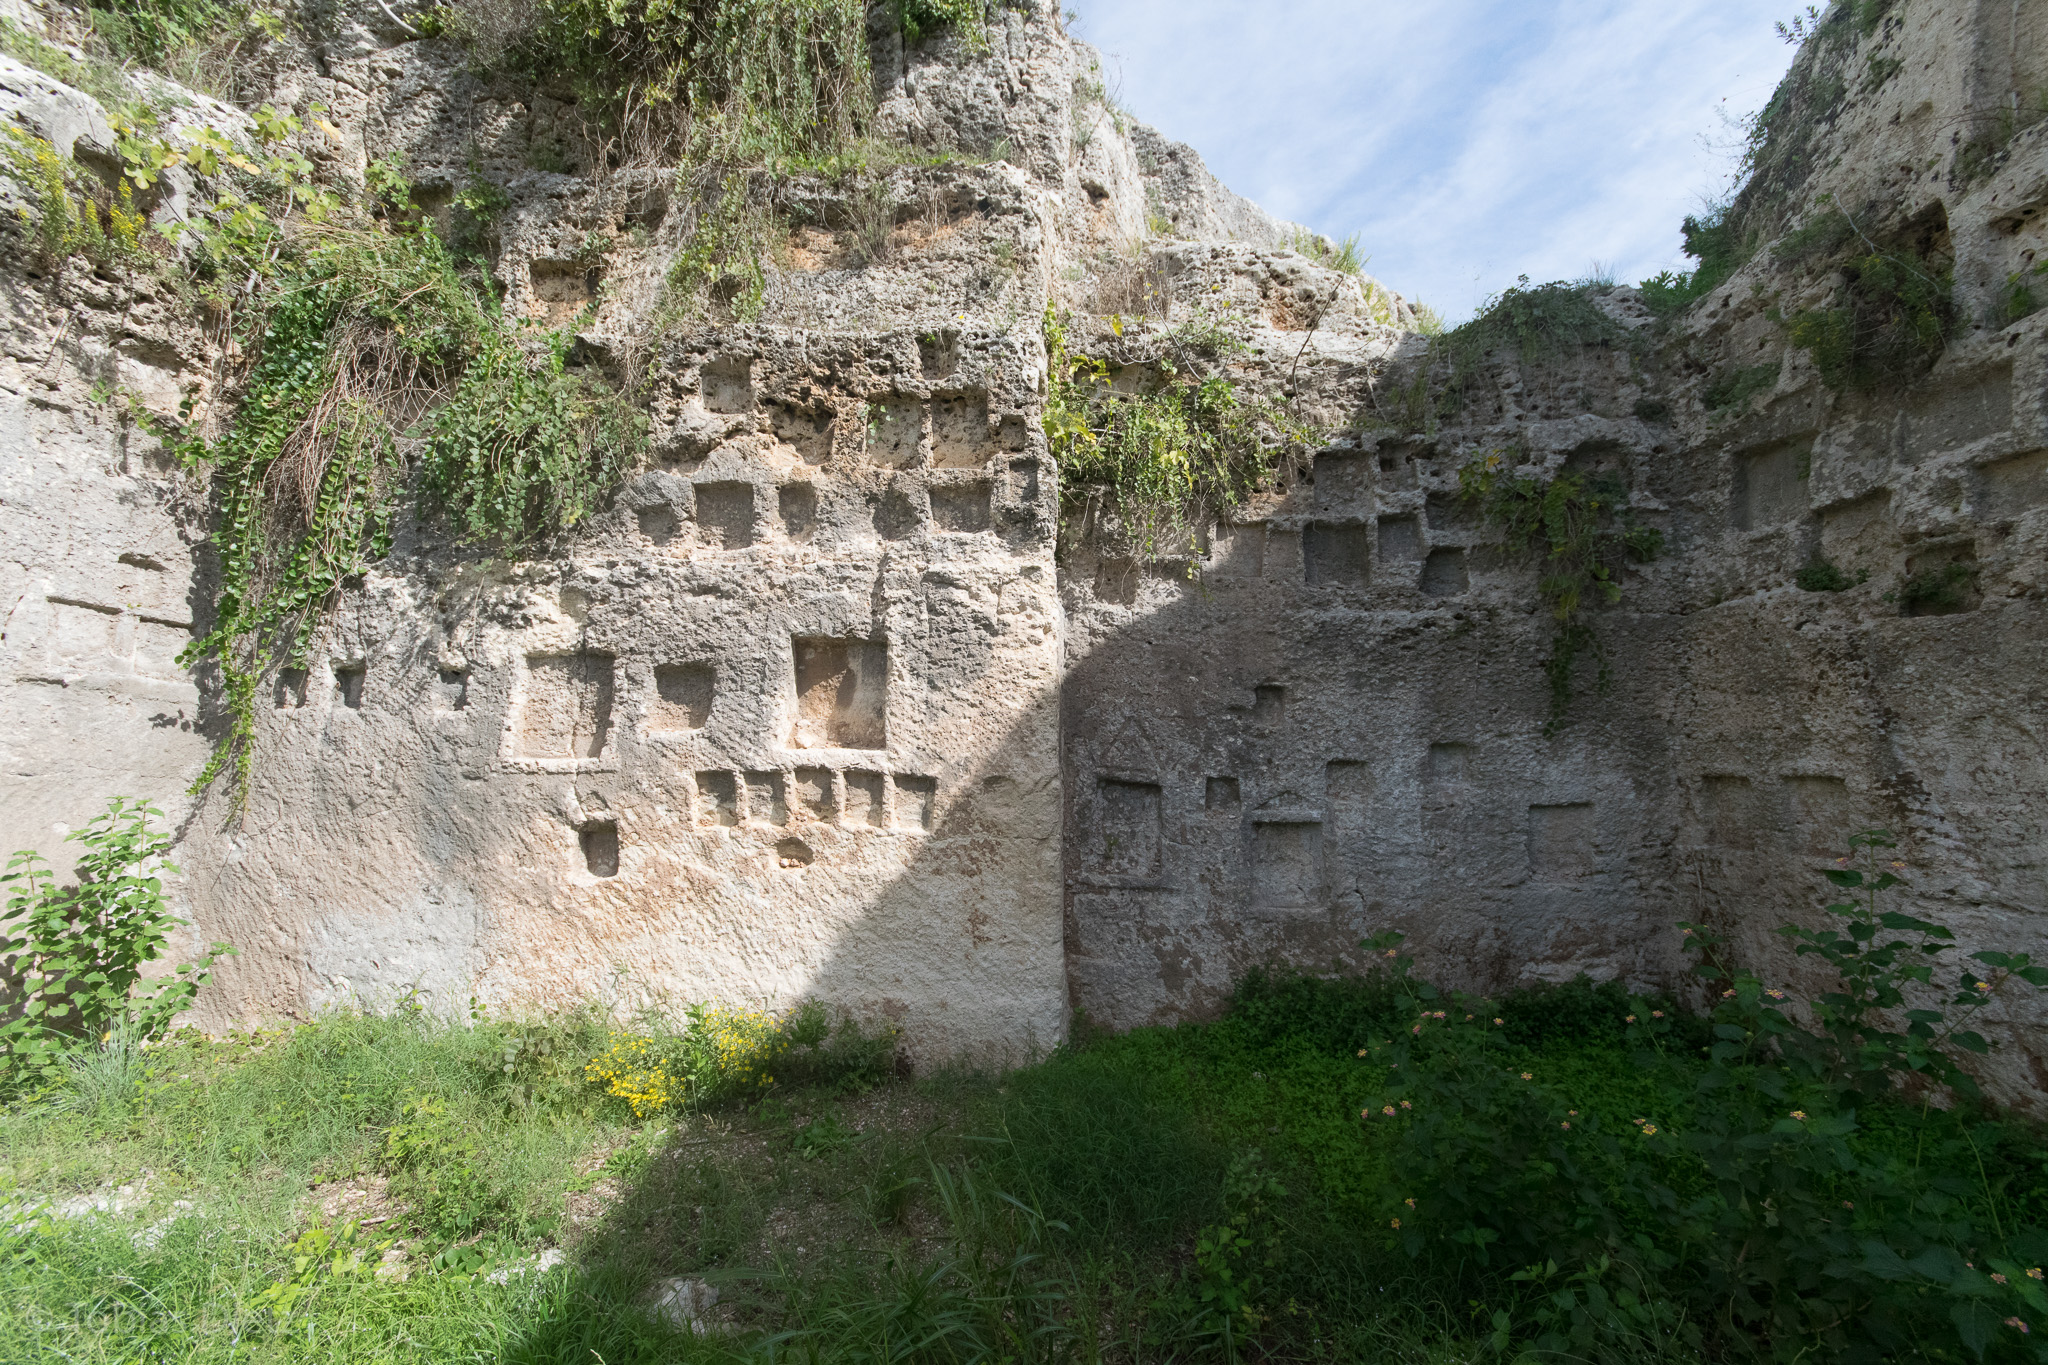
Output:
x=833 y=701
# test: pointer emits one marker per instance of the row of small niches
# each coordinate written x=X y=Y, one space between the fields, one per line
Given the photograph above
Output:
x=854 y=797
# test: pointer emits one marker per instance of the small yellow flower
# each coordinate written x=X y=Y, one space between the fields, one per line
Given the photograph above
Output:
x=1983 y=985
x=1631 y=1019
x=1527 y=1076
x=1799 y=1114
x=1409 y=1202
x=1496 y=1021
x=1397 y=1222
x=2034 y=1274
x=1649 y=1130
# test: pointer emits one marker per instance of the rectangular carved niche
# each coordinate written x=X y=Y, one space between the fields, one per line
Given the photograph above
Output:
x=1336 y=554
x=567 y=708
x=895 y=431
x=717 y=799
x=1448 y=762
x=1957 y=414
x=1444 y=575
x=960 y=507
x=1287 y=863
x=1561 y=842
x=917 y=800
x=1238 y=551
x=1730 y=810
x=563 y=289
x=1127 y=836
x=808 y=430
x=814 y=793
x=600 y=849
x=797 y=505
x=727 y=385
x=1343 y=481
x=2009 y=488
x=682 y=697
x=348 y=684
x=1770 y=485
x=864 y=802
x=897 y=514
x=725 y=515
x=841 y=694
x=1400 y=539
x=960 y=435
x=766 y=802
x=1822 y=816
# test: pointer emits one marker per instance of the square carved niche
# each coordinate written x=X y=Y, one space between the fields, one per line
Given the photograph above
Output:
x=682 y=698
x=841 y=693
x=565 y=710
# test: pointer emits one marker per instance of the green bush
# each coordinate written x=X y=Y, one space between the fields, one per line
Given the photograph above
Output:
x=371 y=339
x=1939 y=589
x=1819 y=575
x=1173 y=461
x=1734 y=388
x=1891 y=316
x=733 y=82
x=73 y=956
x=1712 y=240
x=1756 y=1199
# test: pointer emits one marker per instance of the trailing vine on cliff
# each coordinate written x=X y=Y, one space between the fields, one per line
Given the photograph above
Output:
x=1582 y=529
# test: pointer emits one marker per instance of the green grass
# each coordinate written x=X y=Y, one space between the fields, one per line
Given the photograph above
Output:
x=1058 y=1212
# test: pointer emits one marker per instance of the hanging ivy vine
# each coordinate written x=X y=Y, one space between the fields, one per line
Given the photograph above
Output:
x=1581 y=528
x=379 y=354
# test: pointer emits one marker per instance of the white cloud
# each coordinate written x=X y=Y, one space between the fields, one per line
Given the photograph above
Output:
x=1466 y=141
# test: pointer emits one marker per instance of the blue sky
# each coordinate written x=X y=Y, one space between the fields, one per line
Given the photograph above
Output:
x=1465 y=141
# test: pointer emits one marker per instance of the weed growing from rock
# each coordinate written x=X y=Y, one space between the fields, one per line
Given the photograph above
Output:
x=1582 y=531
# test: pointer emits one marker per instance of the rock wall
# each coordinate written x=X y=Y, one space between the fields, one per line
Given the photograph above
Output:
x=1335 y=724
x=830 y=701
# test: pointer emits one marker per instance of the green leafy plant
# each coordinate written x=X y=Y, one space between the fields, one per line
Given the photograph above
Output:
x=1165 y=463
x=1581 y=528
x=1734 y=388
x=708 y=82
x=1891 y=316
x=1335 y=255
x=1821 y=575
x=1752 y=1198
x=74 y=214
x=376 y=341
x=75 y=954
x=721 y=264
x=2019 y=299
x=1939 y=589
x=1527 y=323
x=1712 y=240
x=440 y=1171
x=919 y=19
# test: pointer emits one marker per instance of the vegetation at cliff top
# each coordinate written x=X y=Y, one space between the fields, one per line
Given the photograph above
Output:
x=1360 y=1167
